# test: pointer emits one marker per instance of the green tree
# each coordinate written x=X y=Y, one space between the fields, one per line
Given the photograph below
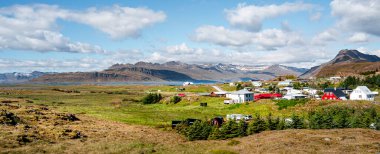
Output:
x=152 y=98
x=297 y=122
x=239 y=86
x=272 y=124
x=297 y=85
x=230 y=130
x=216 y=134
x=175 y=99
x=198 y=131
x=257 y=125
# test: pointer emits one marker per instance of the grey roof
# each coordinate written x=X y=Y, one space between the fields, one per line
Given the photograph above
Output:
x=336 y=91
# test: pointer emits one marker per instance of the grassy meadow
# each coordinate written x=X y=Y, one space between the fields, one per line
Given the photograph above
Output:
x=122 y=103
x=138 y=128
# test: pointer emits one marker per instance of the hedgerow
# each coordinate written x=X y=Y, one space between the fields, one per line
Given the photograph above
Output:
x=324 y=118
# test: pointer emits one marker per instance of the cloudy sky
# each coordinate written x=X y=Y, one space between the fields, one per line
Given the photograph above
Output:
x=88 y=35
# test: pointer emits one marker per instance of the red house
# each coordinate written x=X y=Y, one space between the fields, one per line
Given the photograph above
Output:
x=267 y=96
x=333 y=94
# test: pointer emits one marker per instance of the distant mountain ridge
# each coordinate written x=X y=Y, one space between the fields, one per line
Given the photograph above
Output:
x=174 y=71
x=17 y=77
x=346 y=62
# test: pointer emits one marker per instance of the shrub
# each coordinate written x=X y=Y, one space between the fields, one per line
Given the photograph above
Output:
x=175 y=99
x=257 y=125
x=9 y=118
x=239 y=86
x=152 y=98
x=297 y=122
x=232 y=129
x=272 y=124
x=377 y=123
x=215 y=134
x=198 y=131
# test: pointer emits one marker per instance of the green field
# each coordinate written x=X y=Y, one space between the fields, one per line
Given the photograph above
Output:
x=122 y=103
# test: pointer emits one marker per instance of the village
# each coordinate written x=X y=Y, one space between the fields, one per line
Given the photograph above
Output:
x=281 y=88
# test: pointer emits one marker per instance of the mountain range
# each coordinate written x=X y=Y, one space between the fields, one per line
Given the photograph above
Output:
x=174 y=71
x=17 y=77
x=346 y=62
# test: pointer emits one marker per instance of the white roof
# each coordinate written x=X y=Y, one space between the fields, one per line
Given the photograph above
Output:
x=241 y=92
x=292 y=94
x=220 y=92
x=365 y=90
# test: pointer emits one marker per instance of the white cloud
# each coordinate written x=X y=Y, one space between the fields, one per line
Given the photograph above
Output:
x=222 y=36
x=325 y=37
x=70 y=65
x=358 y=15
x=119 y=22
x=34 y=27
x=183 y=49
x=250 y=17
x=268 y=39
x=358 y=38
x=316 y=16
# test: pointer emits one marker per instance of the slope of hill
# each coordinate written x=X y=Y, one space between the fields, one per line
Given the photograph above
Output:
x=174 y=71
x=346 y=62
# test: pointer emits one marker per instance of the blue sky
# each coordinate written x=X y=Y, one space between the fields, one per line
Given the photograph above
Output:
x=91 y=35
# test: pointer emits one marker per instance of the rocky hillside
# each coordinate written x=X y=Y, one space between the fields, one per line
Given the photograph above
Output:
x=346 y=62
x=174 y=71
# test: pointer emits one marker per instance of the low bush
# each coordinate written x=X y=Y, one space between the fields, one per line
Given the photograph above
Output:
x=198 y=131
x=151 y=98
x=9 y=118
x=175 y=99
x=257 y=125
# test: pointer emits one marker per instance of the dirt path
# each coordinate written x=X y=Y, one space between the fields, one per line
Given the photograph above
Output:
x=218 y=89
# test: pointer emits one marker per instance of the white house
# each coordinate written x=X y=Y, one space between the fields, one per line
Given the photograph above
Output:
x=257 y=83
x=291 y=90
x=240 y=96
x=290 y=96
x=187 y=83
x=309 y=91
x=363 y=93
x=285 y=83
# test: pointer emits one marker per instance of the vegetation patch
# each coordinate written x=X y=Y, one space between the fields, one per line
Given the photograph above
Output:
x=222 y=152
x=151 y=98
x=9 y=118
x=233 y=142
x=284 y=103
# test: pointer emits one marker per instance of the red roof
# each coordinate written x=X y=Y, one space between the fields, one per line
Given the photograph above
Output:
x=181 y=95
x=267 y=95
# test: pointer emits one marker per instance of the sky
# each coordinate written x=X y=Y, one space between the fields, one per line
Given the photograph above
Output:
x=91 y=35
